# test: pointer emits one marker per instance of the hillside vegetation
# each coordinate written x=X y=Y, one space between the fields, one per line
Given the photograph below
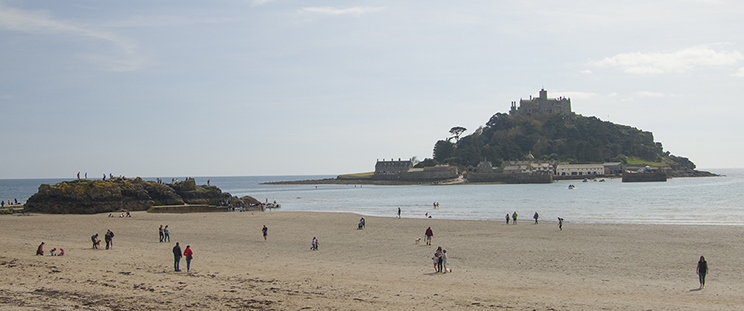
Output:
x=567 y=138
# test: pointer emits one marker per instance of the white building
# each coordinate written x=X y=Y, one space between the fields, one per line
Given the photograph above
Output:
x=579 y=169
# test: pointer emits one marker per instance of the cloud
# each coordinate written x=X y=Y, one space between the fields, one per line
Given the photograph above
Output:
x=126 y=57
x=613 y=94
x=260 y=2
x=586 y=71
x=358 y=11
x=739 y=73
x=649 y=94
x=679 y=61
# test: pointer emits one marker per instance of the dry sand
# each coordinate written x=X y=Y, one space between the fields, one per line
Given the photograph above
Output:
x=495 y=266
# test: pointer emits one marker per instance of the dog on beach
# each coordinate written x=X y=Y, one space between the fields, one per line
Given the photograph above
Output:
x=417 y=240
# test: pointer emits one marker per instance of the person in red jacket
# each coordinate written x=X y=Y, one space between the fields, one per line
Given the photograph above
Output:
x=429 y=235
x=188 y=254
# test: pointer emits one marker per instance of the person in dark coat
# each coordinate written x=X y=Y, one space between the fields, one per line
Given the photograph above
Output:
x=702 y=270
x=177 y=257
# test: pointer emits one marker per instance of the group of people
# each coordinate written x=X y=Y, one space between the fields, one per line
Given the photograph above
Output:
x=536 y=216
x=53 y=252
x=108 y=237
x=2 y=203
x=164 y=234
x=440 y=260
x=188 y=253
x=122 y=215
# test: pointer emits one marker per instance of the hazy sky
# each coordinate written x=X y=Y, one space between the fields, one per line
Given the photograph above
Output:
x=208 y=88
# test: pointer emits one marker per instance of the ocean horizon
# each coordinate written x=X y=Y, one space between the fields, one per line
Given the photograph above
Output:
x=689 y=201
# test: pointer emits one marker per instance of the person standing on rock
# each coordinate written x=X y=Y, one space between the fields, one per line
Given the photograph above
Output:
x=177 y=257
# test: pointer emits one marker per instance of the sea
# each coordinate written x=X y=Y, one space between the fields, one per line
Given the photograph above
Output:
x=689 y=201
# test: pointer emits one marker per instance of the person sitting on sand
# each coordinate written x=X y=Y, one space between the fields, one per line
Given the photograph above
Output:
x=61 y=252
x=361 y=223
x=40 y=249
x=53 y=252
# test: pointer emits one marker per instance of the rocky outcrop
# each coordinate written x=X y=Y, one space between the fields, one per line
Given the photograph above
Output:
x=105 y=196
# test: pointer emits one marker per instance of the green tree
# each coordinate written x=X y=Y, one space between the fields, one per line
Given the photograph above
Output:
x=456 y=132
x=442 y=150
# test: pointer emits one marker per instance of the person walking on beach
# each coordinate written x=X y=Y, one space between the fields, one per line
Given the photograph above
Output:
x=440 y=260
x=40 y=249
x=429 y=235
x=507 y=218
x=444 y=261
x=166 y=231
x=314 y=244
x=702 y=270
x=109 y=238
x=399 y=213
x=560 y=223
x=535 y=217
x=189 y=255
x=177 y=257
x=514 y=217
x=162 y=236
x=265 y=231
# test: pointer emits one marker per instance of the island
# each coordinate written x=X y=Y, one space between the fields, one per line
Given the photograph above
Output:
x=540 y=140
x=84 y=196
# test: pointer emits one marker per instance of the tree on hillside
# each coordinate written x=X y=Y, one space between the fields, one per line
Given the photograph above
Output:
x=456 y=132
x=568 y=138
x=442 y=150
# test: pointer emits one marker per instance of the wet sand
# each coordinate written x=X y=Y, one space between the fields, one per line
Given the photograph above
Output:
x=495 y=266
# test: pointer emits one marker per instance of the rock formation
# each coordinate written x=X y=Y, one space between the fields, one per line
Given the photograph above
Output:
x=105 y=196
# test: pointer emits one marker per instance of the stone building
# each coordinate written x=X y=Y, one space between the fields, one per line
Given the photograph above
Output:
x=393 y=167
x=541 y=104
x=580 y=169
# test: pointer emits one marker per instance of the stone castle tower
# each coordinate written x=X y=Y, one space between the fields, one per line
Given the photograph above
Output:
x=541 y=104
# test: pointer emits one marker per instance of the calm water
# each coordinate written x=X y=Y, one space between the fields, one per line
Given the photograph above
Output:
x=716 y=200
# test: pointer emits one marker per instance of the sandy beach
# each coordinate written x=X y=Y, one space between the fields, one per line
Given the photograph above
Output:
x=494 y=266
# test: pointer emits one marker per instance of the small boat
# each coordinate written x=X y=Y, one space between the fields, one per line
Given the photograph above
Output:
x=571 y=186
x=584 y=180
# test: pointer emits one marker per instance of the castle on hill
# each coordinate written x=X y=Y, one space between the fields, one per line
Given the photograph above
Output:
x=542 y=104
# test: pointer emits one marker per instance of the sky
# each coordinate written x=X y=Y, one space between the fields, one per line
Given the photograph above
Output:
x=273 y=87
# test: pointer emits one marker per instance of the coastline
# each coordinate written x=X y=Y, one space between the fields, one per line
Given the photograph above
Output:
x=495 y=266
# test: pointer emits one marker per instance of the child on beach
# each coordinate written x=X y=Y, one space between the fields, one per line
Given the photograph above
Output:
x=314 y=244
